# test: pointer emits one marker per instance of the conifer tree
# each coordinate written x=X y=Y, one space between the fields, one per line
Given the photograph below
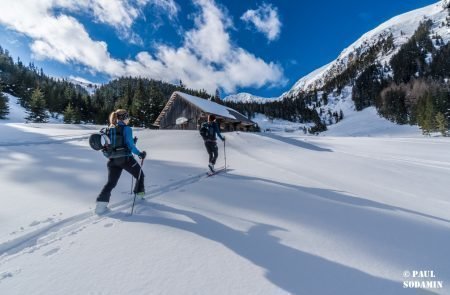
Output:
x=4 y=108
x=217 y=97
x=37 y=112
x=441 y=124
x=425 y=114
x=325 y=98
x=139 y=107
x=68 y=114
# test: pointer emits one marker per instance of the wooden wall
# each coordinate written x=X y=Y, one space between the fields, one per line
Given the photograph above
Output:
x=180 y=108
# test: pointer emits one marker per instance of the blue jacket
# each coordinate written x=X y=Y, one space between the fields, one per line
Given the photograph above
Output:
x=128 y=135
x=216 y=130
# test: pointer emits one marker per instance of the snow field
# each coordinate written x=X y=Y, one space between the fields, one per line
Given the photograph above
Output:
x=292 y=212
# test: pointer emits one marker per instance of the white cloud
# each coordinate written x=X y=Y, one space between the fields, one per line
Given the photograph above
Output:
x=265 y=19
x=207 y=59
x=170 y=7
x=209 y=39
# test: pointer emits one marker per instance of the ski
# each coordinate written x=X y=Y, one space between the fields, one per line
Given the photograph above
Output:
x=217 y=171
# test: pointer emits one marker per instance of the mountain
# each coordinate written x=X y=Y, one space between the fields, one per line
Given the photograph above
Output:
x=397 y=30
x=248 y=98
x=402 y=68
x=90 y=87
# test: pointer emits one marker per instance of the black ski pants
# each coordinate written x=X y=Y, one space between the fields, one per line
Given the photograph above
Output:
x=115 y=167
x=213 y=150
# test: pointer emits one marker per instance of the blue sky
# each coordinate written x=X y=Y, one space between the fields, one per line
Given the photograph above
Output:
x=261 y=47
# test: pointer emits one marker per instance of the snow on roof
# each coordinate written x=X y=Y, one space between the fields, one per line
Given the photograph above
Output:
x=207 y=106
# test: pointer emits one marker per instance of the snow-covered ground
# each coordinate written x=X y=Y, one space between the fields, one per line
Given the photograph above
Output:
x=368 y=123
x=278 y=125
x=17 y=114
x=294 y=214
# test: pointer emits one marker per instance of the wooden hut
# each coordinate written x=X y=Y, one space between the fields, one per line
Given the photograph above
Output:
x=187 y=112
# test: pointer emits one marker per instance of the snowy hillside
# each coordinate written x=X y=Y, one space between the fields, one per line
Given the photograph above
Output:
x=278 y=125
x=293 y=215
x=368 y=123
x=248 y=98
x=89 y=86
x=401 y=27
x=18 y=114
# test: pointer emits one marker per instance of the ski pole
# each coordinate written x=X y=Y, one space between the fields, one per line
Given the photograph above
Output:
x=137 y=183
x=135 y=139
x=225 y=155
x=132 y=180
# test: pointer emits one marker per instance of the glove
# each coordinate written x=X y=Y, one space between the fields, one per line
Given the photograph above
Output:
x=135 y=139
x=142 y=155
x=223 y=138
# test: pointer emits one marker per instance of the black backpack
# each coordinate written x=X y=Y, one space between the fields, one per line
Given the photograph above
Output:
x=207 y=131
x=115 y=147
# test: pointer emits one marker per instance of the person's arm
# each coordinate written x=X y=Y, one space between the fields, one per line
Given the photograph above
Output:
x=128 y=133
x=218 y=132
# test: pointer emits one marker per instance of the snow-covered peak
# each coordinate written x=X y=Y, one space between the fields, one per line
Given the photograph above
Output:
x=401 y=27
x=248 y=98
x=89 y=86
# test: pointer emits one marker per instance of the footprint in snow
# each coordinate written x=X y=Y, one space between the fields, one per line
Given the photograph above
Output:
x=51 y=252
x=34 y=223
x=8 y=274
x=108 y=225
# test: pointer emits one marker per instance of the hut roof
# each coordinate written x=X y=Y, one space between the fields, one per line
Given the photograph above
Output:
x=207 y=106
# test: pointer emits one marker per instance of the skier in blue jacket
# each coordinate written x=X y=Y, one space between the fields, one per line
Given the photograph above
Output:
x=211 y=129
x=121 y=159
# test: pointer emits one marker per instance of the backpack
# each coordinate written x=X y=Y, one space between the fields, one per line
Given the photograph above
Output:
x=207 y=131
x=111 y=141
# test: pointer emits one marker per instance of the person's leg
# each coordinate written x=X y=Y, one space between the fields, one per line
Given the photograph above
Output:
x=215 y=152
x=114 y=172
x=209 y=150
x=133 y=167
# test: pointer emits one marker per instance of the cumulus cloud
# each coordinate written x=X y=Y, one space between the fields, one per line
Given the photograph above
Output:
x=169 y=6
x=207 y=58
x=61 y=37
x=265 y=19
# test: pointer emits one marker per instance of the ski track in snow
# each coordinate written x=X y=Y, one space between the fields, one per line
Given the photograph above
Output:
x=56 y=231
x=45 y=239
x=52 y=141
x=409 y=161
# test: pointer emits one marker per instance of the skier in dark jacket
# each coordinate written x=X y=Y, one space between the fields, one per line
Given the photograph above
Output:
x=210 y=139
x=121 y=159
